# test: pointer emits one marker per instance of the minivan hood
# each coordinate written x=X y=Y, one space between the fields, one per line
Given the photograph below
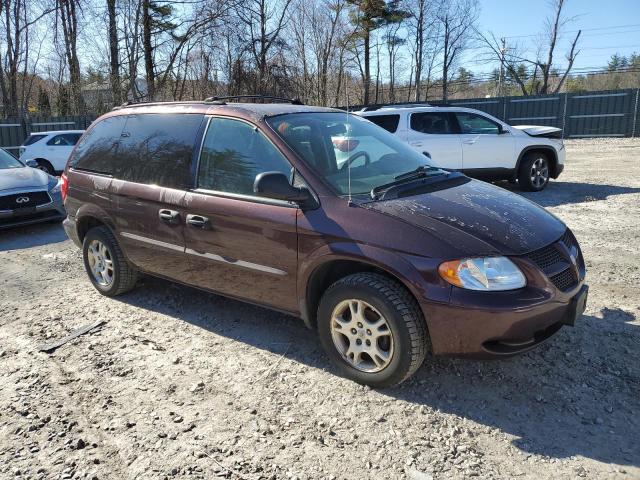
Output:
x=11 y=178
x=501 y=222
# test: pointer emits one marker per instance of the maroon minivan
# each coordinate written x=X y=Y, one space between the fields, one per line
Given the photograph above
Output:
x=323 y=215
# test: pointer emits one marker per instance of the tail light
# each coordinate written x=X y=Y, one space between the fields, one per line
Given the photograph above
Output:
x=65 y=186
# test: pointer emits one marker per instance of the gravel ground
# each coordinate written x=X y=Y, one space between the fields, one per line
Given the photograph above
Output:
x=179 y=383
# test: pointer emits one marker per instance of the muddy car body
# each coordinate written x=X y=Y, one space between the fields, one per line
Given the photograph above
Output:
x=178 y=205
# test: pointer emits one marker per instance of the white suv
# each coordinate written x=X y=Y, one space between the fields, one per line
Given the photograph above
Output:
x=476 y=143
x=49 y=151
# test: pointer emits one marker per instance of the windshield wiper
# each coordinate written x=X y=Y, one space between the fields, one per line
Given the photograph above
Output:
x=420 y=172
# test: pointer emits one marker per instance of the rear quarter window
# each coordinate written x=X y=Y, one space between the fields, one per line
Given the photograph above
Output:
x=388 y=122
x=96 y=152
x=157 y=149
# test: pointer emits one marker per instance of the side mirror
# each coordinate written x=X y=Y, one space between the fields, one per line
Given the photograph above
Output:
x=32 y=164
x=502 y=130
x=276 y=185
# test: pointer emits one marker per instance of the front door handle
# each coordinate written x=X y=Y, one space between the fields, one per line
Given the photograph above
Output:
x=169 y=216
x=469 y=142
x=198 y=221
x=416 y=144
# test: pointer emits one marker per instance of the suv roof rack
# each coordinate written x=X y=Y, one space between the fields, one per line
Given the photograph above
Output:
x=397 y=105
x=221 y=100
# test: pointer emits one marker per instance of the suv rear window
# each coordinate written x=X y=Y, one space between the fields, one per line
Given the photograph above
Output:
x=433 y=123
x=157 y=149
x=96 y=152
x=388 y=122
x=31 y=139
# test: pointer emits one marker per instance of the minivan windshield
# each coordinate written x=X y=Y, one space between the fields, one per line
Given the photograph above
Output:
x=346 y=149
x=8 y=161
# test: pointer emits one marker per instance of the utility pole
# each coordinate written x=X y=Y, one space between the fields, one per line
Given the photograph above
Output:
x=503 y=50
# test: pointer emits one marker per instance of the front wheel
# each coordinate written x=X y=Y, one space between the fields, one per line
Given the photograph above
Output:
x=372 y=329
x=534 y=172
x=45 y=166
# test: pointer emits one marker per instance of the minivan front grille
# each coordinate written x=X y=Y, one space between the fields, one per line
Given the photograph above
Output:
x=24 y=199
x=556 y=265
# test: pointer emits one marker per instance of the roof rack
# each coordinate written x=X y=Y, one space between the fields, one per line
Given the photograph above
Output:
x=397 y=105
x=221 y=100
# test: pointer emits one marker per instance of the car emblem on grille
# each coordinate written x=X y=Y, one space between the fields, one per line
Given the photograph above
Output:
x=22 y=200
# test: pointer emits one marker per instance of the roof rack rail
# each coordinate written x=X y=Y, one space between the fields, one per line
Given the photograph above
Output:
x=221 y=100
x=373 y=108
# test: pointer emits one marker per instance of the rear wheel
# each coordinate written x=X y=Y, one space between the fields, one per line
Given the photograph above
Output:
x=372 y=329
x=534 y=172
x=105 y=264
x=45 y=166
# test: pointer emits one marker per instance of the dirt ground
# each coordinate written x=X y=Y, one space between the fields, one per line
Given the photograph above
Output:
x=179 y=383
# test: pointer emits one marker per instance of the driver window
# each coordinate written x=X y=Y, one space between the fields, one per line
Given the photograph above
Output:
x=233 y=154
x=476 y=124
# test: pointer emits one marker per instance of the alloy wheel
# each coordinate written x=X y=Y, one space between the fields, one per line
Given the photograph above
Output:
x=100 y=263
x=362 y=335
x=539 y=172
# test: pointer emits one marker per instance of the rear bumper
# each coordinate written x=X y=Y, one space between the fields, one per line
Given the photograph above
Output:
x=71 y=230
x=498 y=324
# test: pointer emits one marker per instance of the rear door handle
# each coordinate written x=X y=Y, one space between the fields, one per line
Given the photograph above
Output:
x=198 y=221
x=169 y=216
x=415 y=144
x=469 y=142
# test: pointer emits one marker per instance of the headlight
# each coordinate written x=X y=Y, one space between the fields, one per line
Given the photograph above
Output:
x=488 y=273
x=54 y=185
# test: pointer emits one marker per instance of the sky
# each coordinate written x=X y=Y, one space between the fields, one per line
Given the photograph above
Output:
x=608 y=27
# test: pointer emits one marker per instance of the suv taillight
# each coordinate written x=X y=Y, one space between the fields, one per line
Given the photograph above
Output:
x=64 y=188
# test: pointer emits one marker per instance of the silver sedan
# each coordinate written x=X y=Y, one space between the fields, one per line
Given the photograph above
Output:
x=27 y=195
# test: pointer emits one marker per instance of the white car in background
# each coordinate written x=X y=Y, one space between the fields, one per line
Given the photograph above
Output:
x=476 y=143
x=49 y=151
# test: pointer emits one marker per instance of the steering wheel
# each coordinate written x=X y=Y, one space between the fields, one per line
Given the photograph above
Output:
x=354 y=157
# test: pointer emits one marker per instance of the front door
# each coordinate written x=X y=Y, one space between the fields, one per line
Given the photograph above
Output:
x=434 y=134
x=484 y=145
x=240 y=244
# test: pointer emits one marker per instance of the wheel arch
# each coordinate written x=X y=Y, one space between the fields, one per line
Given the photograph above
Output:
x=548 y=150
x=327 y=269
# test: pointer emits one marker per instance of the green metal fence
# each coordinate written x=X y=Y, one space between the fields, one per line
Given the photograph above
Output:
x=13 y=131
x=607 y=113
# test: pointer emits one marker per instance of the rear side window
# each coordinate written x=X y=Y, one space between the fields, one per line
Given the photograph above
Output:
x=96 y=152
x=435 y=123
x=157 y=149
x=388 y=122
x=32 y=139
x=233 y=154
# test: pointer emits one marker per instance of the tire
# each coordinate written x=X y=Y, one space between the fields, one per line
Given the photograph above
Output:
x=534 y=172
x=45 y=166
x=123 y=277
x=404 y=342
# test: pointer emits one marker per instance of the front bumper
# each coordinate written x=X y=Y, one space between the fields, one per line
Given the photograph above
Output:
x=500 y=324
x=47 y=212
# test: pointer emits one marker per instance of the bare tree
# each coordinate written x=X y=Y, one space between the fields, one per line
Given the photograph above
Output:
x=535 y=75
x=68 y=12
x=263 y=21
x=456 y=19
x=114 y=54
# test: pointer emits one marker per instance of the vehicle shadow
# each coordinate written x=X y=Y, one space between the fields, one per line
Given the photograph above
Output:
x=575 y=395
x=561 y=193
x=32 y=236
